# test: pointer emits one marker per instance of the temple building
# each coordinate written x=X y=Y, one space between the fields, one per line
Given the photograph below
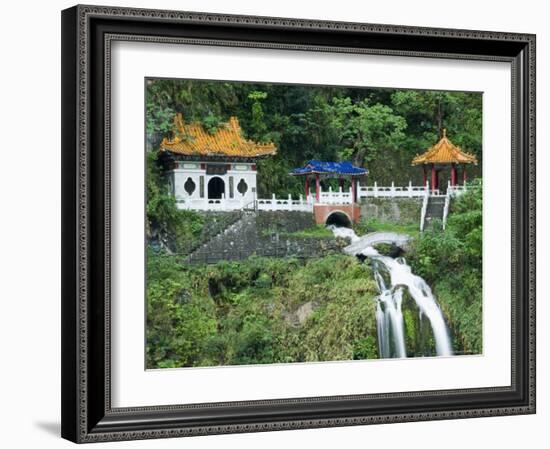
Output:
x=212 y=170
x=326 y=169
x=444 y=155
x=333 y=207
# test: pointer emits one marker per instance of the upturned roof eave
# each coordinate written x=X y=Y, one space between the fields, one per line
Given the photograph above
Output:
x=439 y=161
x=193 y=140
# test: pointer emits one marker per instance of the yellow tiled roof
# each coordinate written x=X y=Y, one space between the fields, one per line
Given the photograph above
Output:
x=444 y=152
x=191 y=139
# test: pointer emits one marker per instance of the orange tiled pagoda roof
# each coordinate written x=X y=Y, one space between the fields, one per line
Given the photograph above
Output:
x=191 y=139
x=444 y=152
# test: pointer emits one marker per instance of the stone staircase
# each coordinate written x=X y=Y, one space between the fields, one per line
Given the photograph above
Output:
x=246 y=237
x=234 y=243
x=436 y=204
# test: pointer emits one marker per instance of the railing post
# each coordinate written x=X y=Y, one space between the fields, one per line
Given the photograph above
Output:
x=375 y=189
x=410 y=189
x=273 y=202
x=289 y=201
x=392 y=190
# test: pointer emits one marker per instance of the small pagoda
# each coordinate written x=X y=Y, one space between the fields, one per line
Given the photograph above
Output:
x=442 y=156
x=212 y=170
x=326 y=169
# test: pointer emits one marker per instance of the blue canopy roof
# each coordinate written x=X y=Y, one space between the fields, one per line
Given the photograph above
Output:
x=330 y=168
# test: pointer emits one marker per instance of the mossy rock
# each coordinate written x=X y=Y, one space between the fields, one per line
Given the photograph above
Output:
x=388 y=249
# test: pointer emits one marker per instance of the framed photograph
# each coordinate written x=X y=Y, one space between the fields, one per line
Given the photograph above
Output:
x=276 y=224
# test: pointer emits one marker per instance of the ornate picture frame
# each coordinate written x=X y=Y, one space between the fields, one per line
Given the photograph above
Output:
x=88 y=33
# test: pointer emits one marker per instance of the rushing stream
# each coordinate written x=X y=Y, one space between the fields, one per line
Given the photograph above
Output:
x=395 y=283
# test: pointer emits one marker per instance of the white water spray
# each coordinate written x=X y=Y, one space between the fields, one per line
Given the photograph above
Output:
x=389 y=316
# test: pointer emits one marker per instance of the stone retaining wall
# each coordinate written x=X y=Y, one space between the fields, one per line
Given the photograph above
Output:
x=396 y=210
x=266 y=234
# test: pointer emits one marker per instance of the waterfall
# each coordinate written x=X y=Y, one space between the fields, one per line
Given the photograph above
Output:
x=394 y=278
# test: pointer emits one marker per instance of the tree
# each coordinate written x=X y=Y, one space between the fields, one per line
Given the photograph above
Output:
x=368 y=134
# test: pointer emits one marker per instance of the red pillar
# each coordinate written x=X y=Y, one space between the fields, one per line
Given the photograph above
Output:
x=453 y=175
x=306 y=187
x=353 y=192
x=317 y=187
x=434 y=178
x=464 y=176
x=425 y=176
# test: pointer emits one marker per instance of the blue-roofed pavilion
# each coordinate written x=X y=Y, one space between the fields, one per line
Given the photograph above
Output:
x=328 y=169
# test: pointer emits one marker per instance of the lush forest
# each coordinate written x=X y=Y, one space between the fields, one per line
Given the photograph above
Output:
x=269 y=310
x=381 y=129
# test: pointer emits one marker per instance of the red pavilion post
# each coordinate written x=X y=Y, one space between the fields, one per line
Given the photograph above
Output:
x=434 y=178
x=453 y=175
x=353 y=191
x=425 y=176
x=317 y=187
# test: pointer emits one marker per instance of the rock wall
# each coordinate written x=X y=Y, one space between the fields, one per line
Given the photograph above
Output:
x=397 y=210
x=284 y=221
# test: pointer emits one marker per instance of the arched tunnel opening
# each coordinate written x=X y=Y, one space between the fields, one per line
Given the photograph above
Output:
x=338 y=219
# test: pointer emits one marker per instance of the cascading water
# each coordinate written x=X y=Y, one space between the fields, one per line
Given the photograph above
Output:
x=394 y=278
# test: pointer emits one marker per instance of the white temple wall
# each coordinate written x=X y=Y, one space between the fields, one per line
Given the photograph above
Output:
x=199 y=183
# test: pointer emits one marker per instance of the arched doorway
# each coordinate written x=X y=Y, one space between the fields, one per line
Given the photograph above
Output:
x=339 y=219
x=216 y=187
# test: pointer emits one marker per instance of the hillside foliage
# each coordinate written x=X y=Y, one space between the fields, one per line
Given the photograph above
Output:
x=259 y=311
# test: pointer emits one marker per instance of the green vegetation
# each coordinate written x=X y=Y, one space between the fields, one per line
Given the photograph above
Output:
x=373 y=225
x=315 y=231
x=259 y=311
x=170 y=227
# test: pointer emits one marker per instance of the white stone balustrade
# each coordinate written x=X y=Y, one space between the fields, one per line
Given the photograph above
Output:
x=224 y=204
x=392 y=191
x=455 y=190
x=274 y=203
x=338 y=197
x=306 y=204
x=215 y=204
